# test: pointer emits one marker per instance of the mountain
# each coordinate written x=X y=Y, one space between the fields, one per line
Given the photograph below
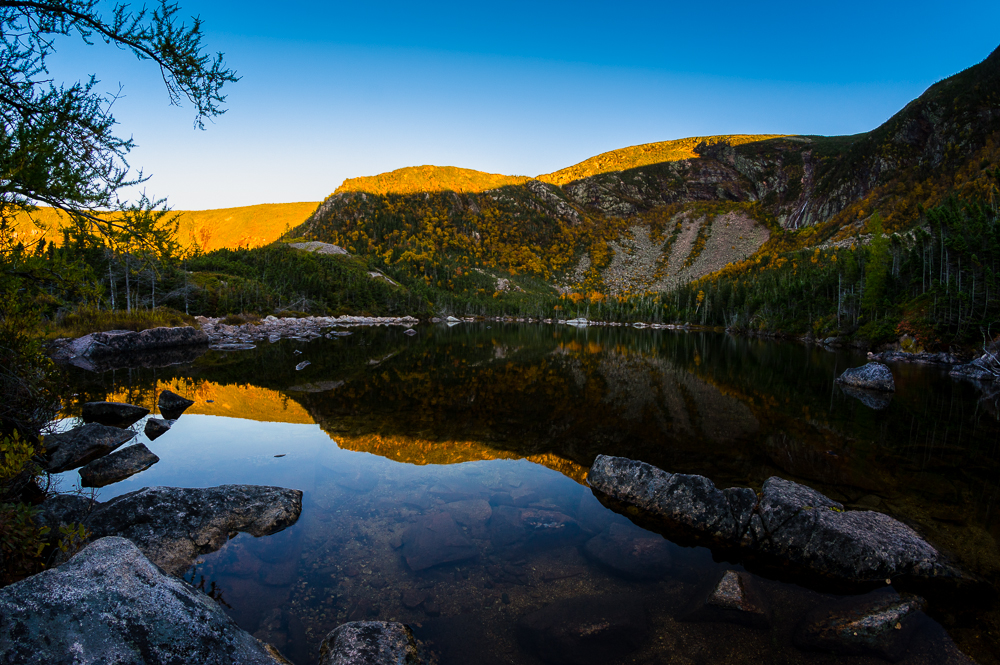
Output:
x=649 y=217
x=246 y=226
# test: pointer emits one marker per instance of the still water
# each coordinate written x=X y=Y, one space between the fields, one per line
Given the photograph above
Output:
x=444 y=481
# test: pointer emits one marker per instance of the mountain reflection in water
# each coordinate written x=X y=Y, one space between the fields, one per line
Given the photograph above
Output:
x=486 y=435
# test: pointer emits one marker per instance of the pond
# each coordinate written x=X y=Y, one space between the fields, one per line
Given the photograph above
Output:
x=444 y=480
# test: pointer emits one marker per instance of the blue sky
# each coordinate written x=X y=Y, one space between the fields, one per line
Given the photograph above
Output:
x=335 y=90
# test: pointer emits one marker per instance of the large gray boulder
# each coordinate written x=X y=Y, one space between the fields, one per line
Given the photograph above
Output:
x=109 y=604
x=113 y=342
x=116 y=414
x=173 y=526
x=117 y=466
x=72 y=449
x=873 y=376
x=370 y=643
x=790 y=525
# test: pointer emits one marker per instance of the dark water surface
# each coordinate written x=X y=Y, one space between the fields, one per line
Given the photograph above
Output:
x=444 y=480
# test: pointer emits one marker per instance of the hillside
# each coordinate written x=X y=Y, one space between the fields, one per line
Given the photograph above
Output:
x=246 y=226
x=647 y=218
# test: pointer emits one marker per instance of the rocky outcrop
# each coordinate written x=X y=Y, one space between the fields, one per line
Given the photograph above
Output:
x=173 y=526
x=62 y=510
x=113 y=342
x=370 y=643
x=110 y=604
x=72 y=449
x=984 y=368
x=788 y=525
x=873 y=376
x=117 y=466
x=115 y=414
x=587 y=630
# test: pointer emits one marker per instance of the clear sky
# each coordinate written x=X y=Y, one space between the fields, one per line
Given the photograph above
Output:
x=333 y=90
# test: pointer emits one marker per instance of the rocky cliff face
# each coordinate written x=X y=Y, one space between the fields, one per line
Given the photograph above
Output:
x=937 y=143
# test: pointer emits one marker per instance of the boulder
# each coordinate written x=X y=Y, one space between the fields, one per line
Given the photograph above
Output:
x=587 y=630
x=980 y=369
x=172 y=405
x=881 y=623
x=790 y=525
x=370 y=643
x=117 y=466
x=630 y=552
x=173 y=526
x=873 y=376
x=64 y=509
x=808 y=530
x=115 y=342
x=733 y=598
x=156 y=427
x=109 y=604
x=473 y=514
x=689 y=503
x=435 y=539
x=70 y=450
x=115 y=414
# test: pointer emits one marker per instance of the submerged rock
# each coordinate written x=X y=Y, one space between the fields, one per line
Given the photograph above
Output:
x=117 y=466
x=109 y=604
x=115 y=414
x=435 y=539
x=791 y=525
x=733 y=598
x=172 y=405
x=630 y=552
x=370 y=643
x=587 y=630
x=156 y=427
x=70 y=450
x=173 y=526
x=881 y=623
x=873 y=376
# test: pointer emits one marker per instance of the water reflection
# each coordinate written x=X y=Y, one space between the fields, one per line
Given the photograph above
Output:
x=443 y=477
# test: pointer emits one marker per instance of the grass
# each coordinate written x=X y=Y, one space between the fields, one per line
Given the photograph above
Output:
x=86 y=321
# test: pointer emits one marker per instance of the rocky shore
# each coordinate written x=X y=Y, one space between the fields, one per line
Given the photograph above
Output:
x=272 y=329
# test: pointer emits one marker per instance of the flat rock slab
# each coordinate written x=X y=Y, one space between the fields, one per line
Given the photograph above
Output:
x=109 y=604
x=117 y=466
x=71 y=450
x=630 y=552
x=172 y=405
x=113 y=342
x=370 y=643
x=790 y=525
x=156 y=427
x=587 y=630
x=173 y=526
x=115 y=414
x=436 y=539
x=881 y=623
x=734 y=598
x=873 y=376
